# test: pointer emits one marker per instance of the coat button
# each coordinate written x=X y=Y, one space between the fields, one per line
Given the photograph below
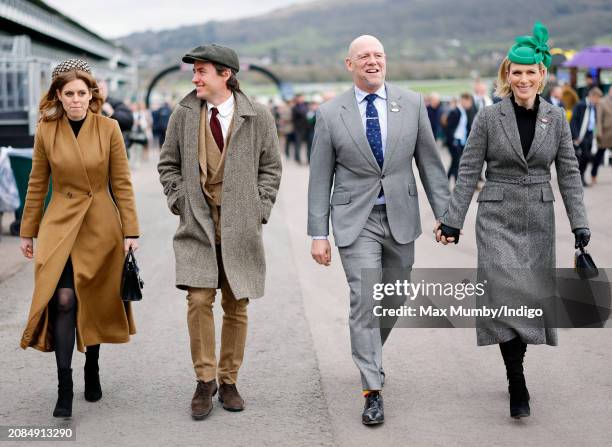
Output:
x=69 y=194
x=89 y=194
x=382 y=176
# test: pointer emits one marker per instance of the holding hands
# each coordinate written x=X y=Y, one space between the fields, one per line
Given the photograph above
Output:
x=446 y=234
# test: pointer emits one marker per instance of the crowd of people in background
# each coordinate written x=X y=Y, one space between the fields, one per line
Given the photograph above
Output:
x=588 y=111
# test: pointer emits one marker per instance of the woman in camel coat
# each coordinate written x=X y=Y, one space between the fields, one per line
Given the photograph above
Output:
x=80 y=239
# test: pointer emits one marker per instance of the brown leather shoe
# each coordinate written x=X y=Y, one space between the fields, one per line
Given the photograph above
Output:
x=201 y=403
x=230 y=398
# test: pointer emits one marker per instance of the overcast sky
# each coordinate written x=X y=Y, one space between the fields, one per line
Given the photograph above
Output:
x=115 y=18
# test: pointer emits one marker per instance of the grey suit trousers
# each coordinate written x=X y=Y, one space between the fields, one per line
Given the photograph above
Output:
x=374 y=257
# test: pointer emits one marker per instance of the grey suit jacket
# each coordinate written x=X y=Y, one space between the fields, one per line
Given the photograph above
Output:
x=341 y=156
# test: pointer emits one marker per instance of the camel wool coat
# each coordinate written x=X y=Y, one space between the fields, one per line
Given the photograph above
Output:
x=82 y=221
x=251 y=178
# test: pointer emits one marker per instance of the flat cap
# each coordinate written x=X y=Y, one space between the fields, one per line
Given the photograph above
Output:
x=217 y=54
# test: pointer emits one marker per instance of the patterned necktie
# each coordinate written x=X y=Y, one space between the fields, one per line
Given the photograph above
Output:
x=215 y=127
x=373 y=129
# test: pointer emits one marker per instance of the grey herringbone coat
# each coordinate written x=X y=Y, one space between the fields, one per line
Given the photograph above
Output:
x=515 y=224
x=250 y=182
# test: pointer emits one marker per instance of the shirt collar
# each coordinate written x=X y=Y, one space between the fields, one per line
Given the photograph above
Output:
x=360 y=94
x=226 y=108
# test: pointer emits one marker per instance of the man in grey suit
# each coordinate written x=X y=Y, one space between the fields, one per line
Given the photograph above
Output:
x=364 y=144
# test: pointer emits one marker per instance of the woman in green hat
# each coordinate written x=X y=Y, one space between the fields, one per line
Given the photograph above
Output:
x=519 y=138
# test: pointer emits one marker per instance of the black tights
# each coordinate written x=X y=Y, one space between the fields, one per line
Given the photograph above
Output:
x=64 y=327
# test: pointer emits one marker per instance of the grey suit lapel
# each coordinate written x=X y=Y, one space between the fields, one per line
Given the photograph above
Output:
x=349 y=111
x=394 y=122
x=508 y=121
x=543 y=123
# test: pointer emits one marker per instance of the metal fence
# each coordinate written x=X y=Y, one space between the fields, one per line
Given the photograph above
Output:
x=22 y=82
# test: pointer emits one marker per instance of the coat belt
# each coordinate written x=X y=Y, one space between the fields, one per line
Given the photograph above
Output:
x=516 y=180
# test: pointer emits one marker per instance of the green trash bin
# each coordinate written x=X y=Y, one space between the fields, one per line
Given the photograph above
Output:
x=21 y=164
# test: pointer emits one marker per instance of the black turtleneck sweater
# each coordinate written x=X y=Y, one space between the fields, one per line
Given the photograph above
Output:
x=526 y=122
x=76 y=126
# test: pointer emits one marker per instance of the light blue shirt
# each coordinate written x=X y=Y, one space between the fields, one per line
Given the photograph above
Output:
x=381 y=107
x=591 y=112
x=461 y=131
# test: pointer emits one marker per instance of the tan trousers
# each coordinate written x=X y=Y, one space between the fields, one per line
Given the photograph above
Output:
x=201 y=325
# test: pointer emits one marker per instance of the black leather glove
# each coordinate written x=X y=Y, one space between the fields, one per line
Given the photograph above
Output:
x=450 y=232
x=583 y=236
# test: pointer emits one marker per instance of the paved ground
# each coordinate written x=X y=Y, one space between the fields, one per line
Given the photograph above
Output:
x=298 y=379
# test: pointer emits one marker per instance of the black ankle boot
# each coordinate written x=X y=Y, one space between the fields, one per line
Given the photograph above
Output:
x=513 y=353
x=63 y=407
x=93 y=389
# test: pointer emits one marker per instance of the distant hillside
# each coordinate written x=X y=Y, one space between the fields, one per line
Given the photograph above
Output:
x=422 y=38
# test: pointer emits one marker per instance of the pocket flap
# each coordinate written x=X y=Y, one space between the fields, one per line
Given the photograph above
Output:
x=491 y=194
x=340 y=198
x=547 y=195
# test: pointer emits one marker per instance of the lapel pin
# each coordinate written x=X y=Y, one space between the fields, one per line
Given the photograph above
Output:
x=543 y=126
x=395 y=106
x=544 y=120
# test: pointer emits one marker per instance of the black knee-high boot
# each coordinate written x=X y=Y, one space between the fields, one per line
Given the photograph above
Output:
x=93 y=389
x=513 y=352
x=63 y=407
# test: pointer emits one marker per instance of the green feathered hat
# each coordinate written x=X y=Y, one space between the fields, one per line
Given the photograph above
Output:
x=531 y=49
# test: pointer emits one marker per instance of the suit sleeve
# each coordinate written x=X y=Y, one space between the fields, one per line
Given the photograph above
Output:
x=270 y=168
x=169 y=166
x=322 y=168
x=121 y=184
x=431 y=169
x=569 y=179
x=38 y=187
x=470 y=168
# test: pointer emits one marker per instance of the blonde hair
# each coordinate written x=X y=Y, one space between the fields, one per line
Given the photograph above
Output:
x=503 y=88
x=50 y=106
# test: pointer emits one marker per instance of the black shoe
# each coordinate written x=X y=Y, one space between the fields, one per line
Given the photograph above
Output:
x=93 y=389
x=519 y=399
x=63 y=407
x=513 y=353
x=373 y=412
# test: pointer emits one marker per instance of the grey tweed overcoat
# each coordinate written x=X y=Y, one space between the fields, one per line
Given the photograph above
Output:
x=515 y=223
x=251 y=179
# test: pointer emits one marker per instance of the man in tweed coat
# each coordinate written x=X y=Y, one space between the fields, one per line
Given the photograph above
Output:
x=220 y=168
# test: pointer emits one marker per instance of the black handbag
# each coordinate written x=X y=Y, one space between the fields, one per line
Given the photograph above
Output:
x=131 y=284
x=584 y=264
